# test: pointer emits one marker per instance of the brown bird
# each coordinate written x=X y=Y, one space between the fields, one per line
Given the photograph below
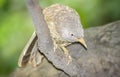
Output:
x=64 y=26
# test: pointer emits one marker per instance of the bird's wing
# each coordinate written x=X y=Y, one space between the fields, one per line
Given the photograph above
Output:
x=30 y=53
x=35 y=57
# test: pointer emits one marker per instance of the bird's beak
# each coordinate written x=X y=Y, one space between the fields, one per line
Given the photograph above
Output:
x=82 y=41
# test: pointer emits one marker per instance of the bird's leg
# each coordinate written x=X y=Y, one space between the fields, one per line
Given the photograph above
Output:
x=66 y=52
x=55 y=46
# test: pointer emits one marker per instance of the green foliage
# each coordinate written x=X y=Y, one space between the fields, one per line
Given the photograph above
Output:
x=14 y=32
x=16 y=24
x=2 y=3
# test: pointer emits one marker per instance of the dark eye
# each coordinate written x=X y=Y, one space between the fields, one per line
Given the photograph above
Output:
x=71 y=34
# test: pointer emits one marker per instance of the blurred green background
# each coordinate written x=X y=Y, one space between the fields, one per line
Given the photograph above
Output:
x=16 y=25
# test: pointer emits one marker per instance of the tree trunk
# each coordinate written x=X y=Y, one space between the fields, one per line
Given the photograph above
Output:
x=102 y=59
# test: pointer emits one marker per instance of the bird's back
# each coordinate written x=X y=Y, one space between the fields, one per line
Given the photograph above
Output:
x=60 y=17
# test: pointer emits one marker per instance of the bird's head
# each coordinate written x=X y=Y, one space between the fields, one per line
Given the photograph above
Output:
x=72 y=32
x=69 y=26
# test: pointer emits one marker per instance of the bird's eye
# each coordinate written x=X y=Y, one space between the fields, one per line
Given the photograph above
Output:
x=71 y=34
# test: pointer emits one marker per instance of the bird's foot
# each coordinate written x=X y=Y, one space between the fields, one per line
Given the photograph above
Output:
x=69 y=59
x=66 y=52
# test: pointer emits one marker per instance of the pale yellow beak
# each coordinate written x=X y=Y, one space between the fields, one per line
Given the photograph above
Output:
x=82 y=41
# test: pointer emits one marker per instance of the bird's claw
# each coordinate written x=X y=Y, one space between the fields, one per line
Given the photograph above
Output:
x=66 y=52
x=69 y=59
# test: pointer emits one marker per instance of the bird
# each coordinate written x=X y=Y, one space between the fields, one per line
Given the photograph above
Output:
x=65 y=28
